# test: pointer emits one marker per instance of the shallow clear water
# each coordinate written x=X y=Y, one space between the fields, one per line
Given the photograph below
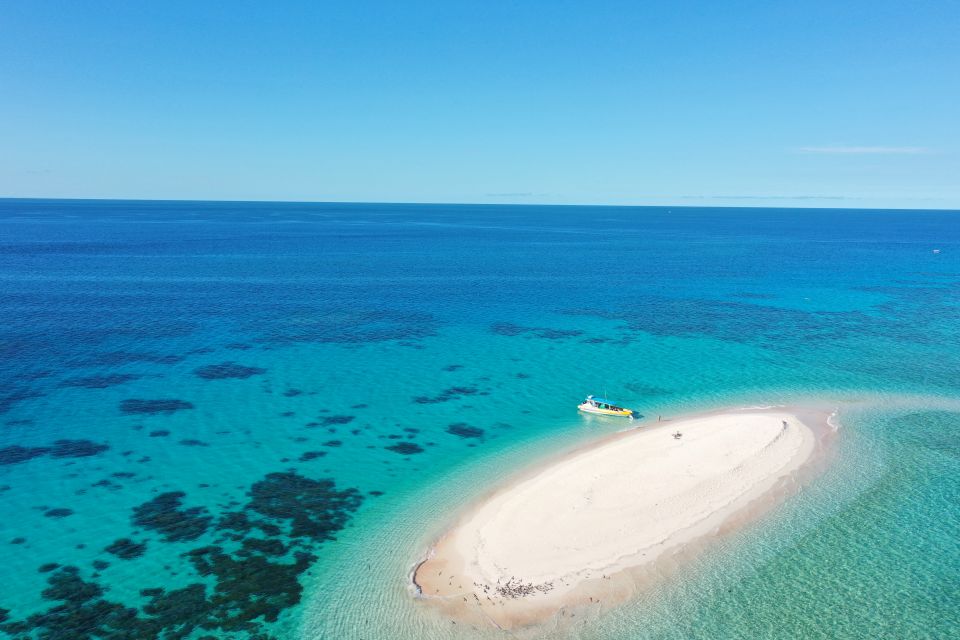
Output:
x=223 y=386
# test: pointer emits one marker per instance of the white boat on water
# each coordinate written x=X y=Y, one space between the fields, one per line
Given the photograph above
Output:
x=604 y=407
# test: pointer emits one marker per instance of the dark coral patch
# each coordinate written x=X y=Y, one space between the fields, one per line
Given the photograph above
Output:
x=190 y=442
x=447 y=395
x=405 y=448
x=453 y=367
x=248 y=587
x=314 y=508
x=81 y=614
x=165 y=515
x=126 y=549
x=58 y=513
x=463 y=430
x=266 y=547
x=64 y=585
x=333 y=443
x=239 y=522
x=312 y=455
x=76 y=449
x=15 y=454
x=126 y=357
x=100 y=382
x=330 y=420
x=48 y=567
x=640 y=388
x=163 y=405
x=227 y=370
x=557 y=334
x=7 y=401
x=741 y=321
x=507 y=329
x=510 y=329
x=292 y=393
x=179 y=613
x=159 y=433
x=352 y=326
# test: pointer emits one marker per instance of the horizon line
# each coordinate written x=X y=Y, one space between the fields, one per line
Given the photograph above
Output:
x=503 y=204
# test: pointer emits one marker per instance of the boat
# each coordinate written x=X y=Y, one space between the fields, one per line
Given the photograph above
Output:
x=604 y=407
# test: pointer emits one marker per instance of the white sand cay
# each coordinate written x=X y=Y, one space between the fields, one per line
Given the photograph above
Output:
x=582 y=529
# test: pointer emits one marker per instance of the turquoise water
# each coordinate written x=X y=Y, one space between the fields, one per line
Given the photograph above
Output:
x=248 y=420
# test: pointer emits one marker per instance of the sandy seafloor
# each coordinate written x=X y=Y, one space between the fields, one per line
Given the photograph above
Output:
x=341 y=380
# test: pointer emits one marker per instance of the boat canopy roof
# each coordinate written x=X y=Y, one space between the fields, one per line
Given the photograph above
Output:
x=603 y=401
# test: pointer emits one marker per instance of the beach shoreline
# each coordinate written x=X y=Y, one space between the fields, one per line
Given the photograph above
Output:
x=574 y=534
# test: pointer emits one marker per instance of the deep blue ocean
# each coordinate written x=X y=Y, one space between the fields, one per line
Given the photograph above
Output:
x=249 y=420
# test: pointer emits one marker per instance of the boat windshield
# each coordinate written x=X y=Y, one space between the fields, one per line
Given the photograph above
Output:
x=601 y=405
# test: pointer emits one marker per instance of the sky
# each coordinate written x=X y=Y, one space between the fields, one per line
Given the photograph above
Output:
x=790 y=103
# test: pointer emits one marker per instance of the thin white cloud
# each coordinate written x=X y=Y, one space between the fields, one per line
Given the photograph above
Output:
x=866 y=150
x=798 y=197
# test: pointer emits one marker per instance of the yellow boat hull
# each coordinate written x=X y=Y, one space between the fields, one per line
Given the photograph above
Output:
x=586 y=408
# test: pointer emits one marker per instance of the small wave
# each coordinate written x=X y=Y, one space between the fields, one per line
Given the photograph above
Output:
x=833 y=425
